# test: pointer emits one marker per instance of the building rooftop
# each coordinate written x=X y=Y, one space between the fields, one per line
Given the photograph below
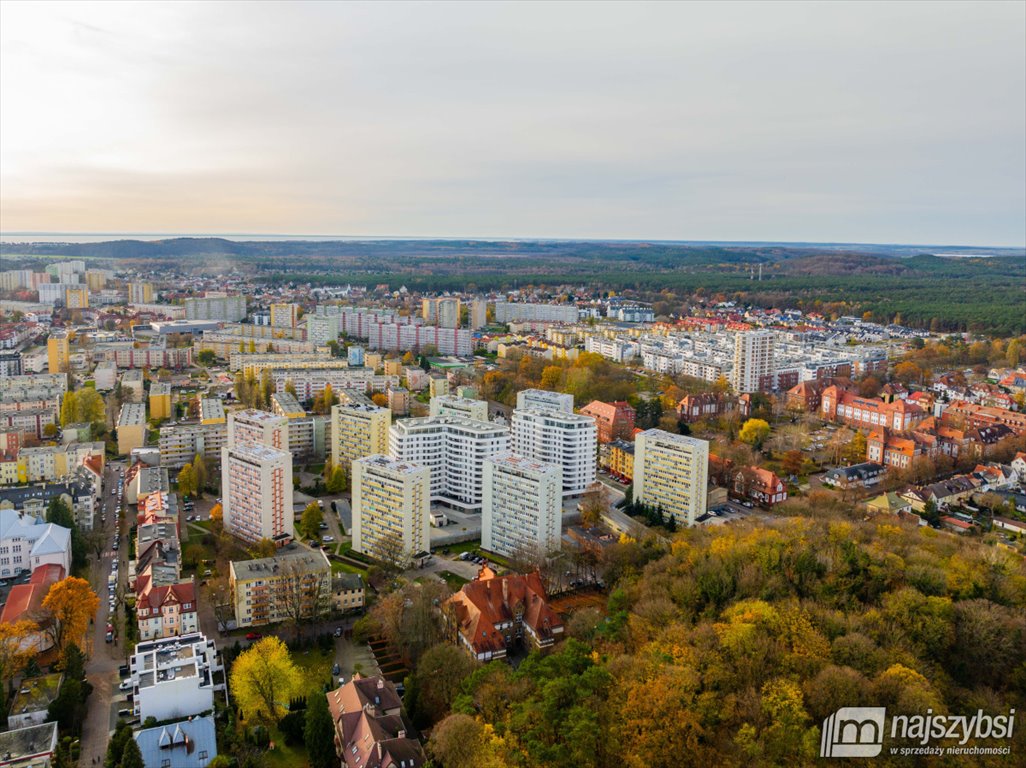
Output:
x=188 y=744
x=259 y=453
x=254 y=416
x=211 y=409
x=515 y=461
x=35 y=693
x=22 y=743
x=293 y=560
x=132 y=414
x=427 y=423
x=158 y=388
x=380 y=461
x=132 y=375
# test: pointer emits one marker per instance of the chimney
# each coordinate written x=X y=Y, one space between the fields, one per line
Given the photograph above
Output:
x=401 y=734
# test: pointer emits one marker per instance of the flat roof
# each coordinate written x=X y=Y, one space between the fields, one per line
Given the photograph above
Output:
x=132 y=414
x=380 y=461
x=35 y=693
x=301 y=560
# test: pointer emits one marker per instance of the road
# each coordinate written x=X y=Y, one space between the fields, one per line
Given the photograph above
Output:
x=104 y=658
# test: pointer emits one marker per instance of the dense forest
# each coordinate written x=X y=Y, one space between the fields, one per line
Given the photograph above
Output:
x=730 y=645
x=916 y=285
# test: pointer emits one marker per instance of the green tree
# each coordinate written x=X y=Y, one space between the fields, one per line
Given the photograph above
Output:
x=199 y=474
x=187 y=481
x=206 y=357
x=311 y=520
x=319 y=733
x=131 y=757
x=337 y=481
x=116 y=745
x=1013 y=353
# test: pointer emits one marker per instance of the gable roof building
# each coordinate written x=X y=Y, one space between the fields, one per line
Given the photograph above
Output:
x=371 y=729
x=189 y=744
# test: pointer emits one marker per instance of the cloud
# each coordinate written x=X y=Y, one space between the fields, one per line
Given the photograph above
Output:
x=794 y=121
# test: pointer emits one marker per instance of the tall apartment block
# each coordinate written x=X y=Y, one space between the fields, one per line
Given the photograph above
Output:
x=230 y=309
x=322 y=329
x=671 y=471
x=454 y=450
x=753 y=361
x=543 y=400
x=443 y=311
x=58 y=352
x=140 y=293
x=523 y=505
x=391 y=505
x=253 y=427
x=357 y=430
x=284 y=315
x=256 y=493
x=478 y=314
x=568 y=440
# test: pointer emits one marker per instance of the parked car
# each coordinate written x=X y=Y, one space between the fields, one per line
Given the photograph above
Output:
x=329 y=538
x=110 y=637
x=126 y=685
x=124 y=713
x=253 y=636
x=338 y=633
x=323 y=526
x=336 y=670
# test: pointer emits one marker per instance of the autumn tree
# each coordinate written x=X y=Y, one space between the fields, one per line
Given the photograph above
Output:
x=264 y=548
x=311 y=520
x=199 y=473
x=856 y=450
x=754 y=432
x=437 y=679
x=336 y=480
x=187 y=481
x=460 y=741
x=16 y=648
x=69 y=604
x=594 y=503
x=792 y=461
x=264 y=678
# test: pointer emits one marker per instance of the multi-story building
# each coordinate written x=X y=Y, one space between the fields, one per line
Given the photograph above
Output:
x=140 y=293
x=26 y=542
x=398 y=400
x=10 y=363
x=166 y=611
x=152 y=356
x=76 y=297
x=354 y=356
x=460 y=407
x=568 y=440
x=617 y=350
x=320 y=329
x=105 y=375
x=252 y=427
x=438 y=386
x=391 y=502
x=523 y=505
x=180 y=442
x=753 y=361
x=284 y=315
x=256 y=489
x=454 y=450
x=58 y=352
x=404 y=337
x=224 y=308
x=478 y=314
x=131 y=428
x=981 y=416
x=671 y=472
x=211 y=411
x=443 y=311
x=615 y=421
x=132 y=385
x=543 y=400
x=160 y=400
x=621 y=460
x=293 y=585
x=371 y=728
x=845 y=406
x=704 y=405
x=358 y=430
x=347 y=592
x=506 y=312
x=51 y=463
x=174 y=677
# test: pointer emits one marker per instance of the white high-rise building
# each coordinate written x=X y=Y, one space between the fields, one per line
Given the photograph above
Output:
x=568 y=440
x=478 y=314
x=321 y=329
x=454 y=449
x=391 y=508
x=358 y=430
x=227 y=308
x=256 y=492
x=543 y=400
x=461 y=407
x=753 y=361
x=253 y=427
x=671 y=471
x=523 y=505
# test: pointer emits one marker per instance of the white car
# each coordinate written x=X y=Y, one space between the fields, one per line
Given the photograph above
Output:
x=126 y=685
x=328 y=539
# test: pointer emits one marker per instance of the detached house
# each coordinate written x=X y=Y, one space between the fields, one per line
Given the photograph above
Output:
x=167 y=611
x=371 y=728
x=492 y=614
x=615 y=421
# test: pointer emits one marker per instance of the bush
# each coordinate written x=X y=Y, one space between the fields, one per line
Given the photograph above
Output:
x=259 y=736
x=291 y=727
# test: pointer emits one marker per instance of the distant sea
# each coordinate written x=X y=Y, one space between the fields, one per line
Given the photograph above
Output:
x=106 y=237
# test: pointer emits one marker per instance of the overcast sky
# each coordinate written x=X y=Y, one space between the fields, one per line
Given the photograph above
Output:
x=862 y=122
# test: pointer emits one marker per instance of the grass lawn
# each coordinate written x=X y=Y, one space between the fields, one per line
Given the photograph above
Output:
x=463 y=546
x=284 y=756
x=454 y=580
x=337 y=567
x=315 y=666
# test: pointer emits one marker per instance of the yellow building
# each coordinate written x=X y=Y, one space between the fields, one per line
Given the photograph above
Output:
x=438 y=386
x=58 y=352
x=96 y=279
x=621 y=460
x=131 y=428
x=671 y=473
x=391 y=501
x=290 y=585
x=393 y=367
x=284 y=315
x=76 y=297
x=140 y=293
x=373 y=360
x=358 y=430
x=160 y=400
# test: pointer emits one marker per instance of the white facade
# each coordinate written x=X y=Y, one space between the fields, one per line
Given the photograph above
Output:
x=453 y=449
x=753 y=360
x=105 y=375
x=617 y=350
x=256 y=488
x=26 y=542
x=320 y=329
x=543 y=400
x=478 y=314
x=173 y=677
x=391 y=507
x=506 y=311
x=568 y=440
x=253 y=427
x=671 y=471
x=460 y=407
x=522 y=511
x=226 y=308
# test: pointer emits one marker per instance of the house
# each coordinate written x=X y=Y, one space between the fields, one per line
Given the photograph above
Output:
x=956 y=524
x=166 y=611
x=174 y=677
x=190 y=743
x=615 y=421
x=1019 y=465
x=30 y=747
x=347 y=592
x=371 y=727
x=842 y=405
x=1010 y=525
x=863 y=475
x=892 y=450
x=493 y=614
x=889 y=503
x=984 y=416
x=26 y=542
x=25 y=601
x=705 y=405
x=760 y=486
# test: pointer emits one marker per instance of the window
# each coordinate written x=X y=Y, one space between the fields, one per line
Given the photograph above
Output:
x=203 y=754
x=165 y=763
